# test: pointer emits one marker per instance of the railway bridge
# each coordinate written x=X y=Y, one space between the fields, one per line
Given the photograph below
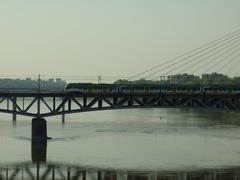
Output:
x=45 y=104
x=40 y=105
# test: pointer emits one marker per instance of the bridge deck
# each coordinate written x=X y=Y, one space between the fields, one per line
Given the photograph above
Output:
x=91 y=94
x=45 y=104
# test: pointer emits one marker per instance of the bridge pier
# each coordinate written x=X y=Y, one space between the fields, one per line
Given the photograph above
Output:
x=39 y=130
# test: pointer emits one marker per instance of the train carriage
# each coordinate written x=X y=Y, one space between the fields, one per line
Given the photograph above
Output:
x=152 y=88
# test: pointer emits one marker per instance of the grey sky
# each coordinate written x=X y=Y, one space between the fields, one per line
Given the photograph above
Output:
x=107 y=37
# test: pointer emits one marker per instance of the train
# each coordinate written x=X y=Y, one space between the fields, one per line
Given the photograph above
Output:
x=152 y=88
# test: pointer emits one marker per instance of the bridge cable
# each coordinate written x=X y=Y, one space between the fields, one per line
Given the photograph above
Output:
x=187 y=53
x=225 y=52
x=213 y=66
x=206 y=58
x=215 y=58
x=191 y=60
x=229 y=62
x=182 y=60
x=233 y=64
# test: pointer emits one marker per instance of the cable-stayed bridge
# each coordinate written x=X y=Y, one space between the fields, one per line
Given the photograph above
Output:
x=221 y=55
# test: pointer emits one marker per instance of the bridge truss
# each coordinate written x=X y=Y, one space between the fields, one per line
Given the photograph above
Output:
x=61 y=103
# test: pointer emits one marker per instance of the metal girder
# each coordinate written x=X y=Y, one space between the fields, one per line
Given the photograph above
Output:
x=46 y=104
x=67 y=103
x=14 y=174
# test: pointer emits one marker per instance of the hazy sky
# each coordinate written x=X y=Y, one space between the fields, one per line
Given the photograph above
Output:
x=106 y=37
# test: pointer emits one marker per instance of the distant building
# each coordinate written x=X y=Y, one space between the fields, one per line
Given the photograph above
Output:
x=214 y=76
x=59 y=80
x=51 y=80
x=181 y=78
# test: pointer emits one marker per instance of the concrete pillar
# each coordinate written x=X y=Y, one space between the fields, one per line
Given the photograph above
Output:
x=39 y=130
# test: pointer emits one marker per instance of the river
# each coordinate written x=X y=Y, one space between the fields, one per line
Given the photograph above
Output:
x=158 y=139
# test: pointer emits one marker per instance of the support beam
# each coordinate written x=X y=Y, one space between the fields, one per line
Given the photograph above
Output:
x=100 y=103
x=92 y=102
x=38 y=105
x=68 y=174
x=54 y=103
x=63 y=114
x=85 y=102
x=130 y=101
x=14 y=116
x=53 y=173
x=69 y=104
x=99 y=175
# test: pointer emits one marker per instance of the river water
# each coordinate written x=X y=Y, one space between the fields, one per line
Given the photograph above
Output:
x=168 y=139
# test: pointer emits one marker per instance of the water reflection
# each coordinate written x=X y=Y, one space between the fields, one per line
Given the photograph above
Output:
x=52 y=171
x=133 y=144
x=39 y=152
x=41 y=169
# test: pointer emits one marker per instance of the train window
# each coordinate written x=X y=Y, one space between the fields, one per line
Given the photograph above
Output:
x=236 y=89
x=138 y=88
x=152 y=88
x=181 y=88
